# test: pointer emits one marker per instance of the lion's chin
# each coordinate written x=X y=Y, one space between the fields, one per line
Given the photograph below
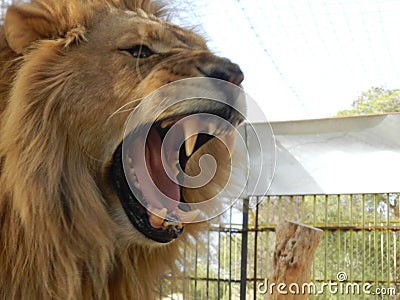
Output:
x=148 y=169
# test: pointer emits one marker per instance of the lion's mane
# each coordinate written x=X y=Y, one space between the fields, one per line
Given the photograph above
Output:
x=56 y=236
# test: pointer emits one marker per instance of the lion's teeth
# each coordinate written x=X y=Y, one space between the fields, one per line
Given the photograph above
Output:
x=167 y=123
x=191 y=128
x=190 y=143
x=172 y=223
x=162 y=213
x=189 y=216
x=157 y=216
x=173 y=163
x=212 y=127
x=133 y=177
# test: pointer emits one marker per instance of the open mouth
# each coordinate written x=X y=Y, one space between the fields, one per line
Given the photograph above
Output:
x=150 y=165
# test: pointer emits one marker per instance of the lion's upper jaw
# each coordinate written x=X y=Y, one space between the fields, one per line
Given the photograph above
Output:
x=75 y=70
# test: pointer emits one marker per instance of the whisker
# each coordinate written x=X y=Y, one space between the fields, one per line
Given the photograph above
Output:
x=126 y=110
x=93 y=158
x=122 y=110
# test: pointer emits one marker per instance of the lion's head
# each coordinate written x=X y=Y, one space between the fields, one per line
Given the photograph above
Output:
x=72 y=73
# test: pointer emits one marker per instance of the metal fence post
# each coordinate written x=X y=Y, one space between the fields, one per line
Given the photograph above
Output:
x=243 y=263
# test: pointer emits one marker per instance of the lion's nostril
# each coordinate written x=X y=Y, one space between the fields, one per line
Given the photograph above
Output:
x=225 y=71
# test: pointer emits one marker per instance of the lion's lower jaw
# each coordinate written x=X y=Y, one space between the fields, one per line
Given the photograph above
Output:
x=128 y=235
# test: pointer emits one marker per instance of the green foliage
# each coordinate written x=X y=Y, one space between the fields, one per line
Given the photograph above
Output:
x=375 y=100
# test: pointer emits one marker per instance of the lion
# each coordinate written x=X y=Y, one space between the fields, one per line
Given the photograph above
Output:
x=72 y=71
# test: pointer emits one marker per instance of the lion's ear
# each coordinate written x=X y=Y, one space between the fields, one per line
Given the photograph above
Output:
x=24 y=25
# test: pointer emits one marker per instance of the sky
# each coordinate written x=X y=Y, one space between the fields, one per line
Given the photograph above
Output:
x=303 y=59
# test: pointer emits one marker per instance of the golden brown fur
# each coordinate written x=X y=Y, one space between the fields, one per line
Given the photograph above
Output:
x=63 y=234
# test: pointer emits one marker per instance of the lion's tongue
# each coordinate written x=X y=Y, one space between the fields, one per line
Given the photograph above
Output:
x=158 y=189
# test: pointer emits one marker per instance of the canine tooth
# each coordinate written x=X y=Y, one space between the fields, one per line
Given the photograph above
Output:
x=190 y=143
x=187 y=216
x=191 y=129
x=212 y=127
x=167 y=123
x=157 y=216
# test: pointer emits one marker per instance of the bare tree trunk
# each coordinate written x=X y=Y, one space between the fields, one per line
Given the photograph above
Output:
x=292 y=260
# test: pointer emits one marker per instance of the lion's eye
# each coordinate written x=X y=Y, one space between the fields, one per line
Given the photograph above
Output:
x=140 y=51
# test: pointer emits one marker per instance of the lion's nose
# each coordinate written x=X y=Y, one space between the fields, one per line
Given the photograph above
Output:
x=223 y=69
